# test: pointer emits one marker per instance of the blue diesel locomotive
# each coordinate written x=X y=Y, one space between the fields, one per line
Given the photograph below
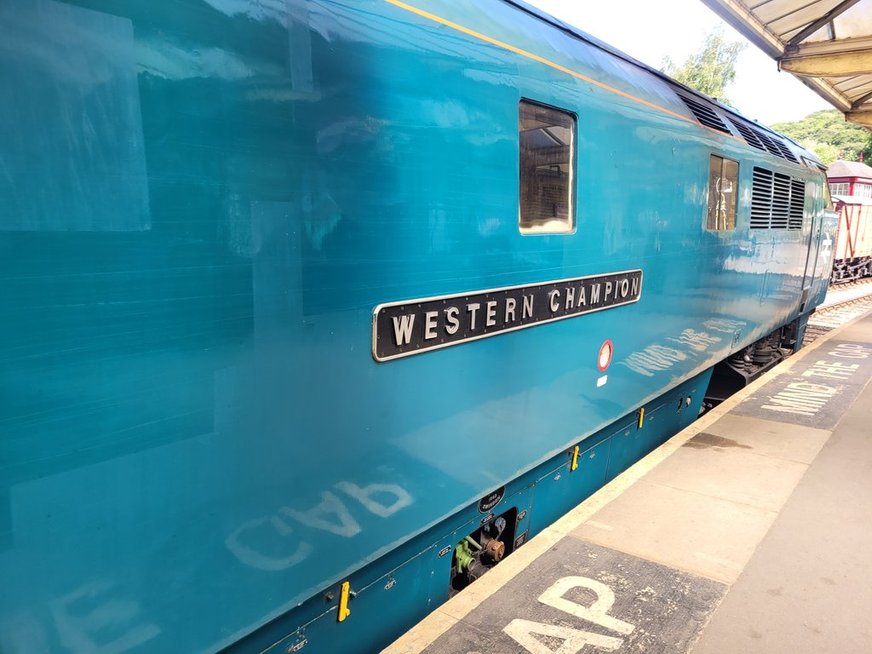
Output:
x=313 y=310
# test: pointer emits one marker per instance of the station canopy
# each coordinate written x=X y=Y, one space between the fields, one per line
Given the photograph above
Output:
x=825 y=43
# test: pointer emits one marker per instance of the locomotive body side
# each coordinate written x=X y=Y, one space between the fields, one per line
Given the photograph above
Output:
x=204 y=205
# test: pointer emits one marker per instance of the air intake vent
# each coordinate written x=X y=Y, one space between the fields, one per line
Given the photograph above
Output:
x=769 y=143
x=761 y=199
x=705 y=114
x=797 y=203
x=748 y=134
x=762 y=141
x=785 y=151
x=777 y=201
x=780 y=201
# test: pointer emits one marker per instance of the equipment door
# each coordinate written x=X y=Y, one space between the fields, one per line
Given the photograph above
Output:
x=815 y=260
x=812 y=260
x=814 y=244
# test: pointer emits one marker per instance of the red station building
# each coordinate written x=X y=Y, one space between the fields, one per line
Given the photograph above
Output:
x=852 y=178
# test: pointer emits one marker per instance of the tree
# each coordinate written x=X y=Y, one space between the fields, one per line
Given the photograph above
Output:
x=829 y=136
x=826 y=152
x=712 y=68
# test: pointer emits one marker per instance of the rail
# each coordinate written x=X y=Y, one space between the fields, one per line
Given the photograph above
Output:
x=843 y=303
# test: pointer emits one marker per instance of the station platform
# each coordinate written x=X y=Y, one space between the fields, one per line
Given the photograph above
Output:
x=748 y=532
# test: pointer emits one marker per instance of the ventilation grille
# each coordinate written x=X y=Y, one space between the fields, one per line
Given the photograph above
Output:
x=769 y=143
x=748 y=134
x=777 y=201
x=785 y=151
x=762 y=141
x=754 y=137
x=797 y=204
x=705 y=114
x=780 y=201
x=761 y=199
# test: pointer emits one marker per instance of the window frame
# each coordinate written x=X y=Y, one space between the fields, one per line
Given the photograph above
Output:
x=826 y=194
x=735 y=212
x=846 y=185
x=571 y=220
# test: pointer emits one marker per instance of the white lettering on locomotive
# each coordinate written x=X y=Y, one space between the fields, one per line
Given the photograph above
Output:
x=452 y=321
x=491 y=317
x=594 y=293
x=430 y=325
x=554 y=300
x=528 y=307
x=403 y=328
x=472 y=308
x=415 y=326
x=510 y=309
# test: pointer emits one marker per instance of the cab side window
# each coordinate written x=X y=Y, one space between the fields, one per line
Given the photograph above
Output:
x=546 y=138
x=827 y=190
x=723 y=188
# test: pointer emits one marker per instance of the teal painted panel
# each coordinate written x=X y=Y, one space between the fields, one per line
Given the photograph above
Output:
x=202 y=202
x=562 y=489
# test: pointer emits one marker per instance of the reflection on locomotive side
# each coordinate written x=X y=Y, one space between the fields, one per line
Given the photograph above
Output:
x=332 y=515
x=208 y=428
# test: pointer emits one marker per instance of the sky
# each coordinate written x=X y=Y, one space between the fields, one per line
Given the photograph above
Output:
x=650 y=30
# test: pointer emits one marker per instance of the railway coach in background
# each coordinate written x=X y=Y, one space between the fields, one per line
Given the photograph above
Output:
x=315 y=310
x=853 y=248
x=850 y=183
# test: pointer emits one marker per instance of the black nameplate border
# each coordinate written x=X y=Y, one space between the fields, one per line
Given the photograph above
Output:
x=401 y=329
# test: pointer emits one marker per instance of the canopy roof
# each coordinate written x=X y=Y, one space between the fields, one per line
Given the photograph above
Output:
x=826 y=43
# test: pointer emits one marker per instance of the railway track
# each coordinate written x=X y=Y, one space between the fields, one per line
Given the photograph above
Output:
x=843 y=303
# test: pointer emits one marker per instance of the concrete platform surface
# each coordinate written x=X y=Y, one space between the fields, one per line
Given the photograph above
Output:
x=749 y=532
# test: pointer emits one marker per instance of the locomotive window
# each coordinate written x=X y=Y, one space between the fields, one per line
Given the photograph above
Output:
x=546 y=139
x=722 y=193
x=828 y=196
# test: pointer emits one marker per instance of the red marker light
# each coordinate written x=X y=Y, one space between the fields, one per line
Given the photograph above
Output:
x=605 y=355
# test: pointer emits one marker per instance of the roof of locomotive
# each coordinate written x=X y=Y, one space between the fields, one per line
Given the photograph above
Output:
x=592 y=40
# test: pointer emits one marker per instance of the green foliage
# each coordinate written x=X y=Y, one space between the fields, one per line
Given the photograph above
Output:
x=711 y=69
x=829 y=136
x=826 y=152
